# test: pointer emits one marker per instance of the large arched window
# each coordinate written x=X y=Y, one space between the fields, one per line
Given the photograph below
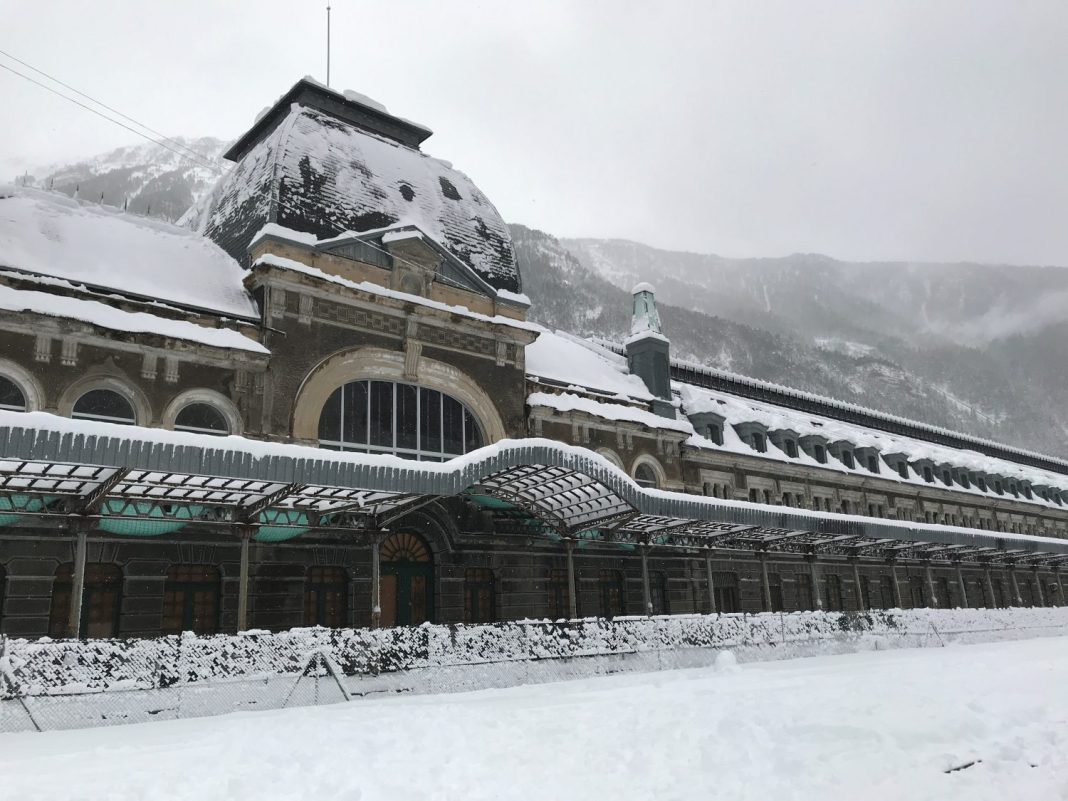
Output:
x=402 y=419
x=104 y=405
x=201 y=418
x=11 y=396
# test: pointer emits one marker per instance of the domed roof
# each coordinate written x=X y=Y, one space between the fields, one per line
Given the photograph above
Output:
x=324 y=163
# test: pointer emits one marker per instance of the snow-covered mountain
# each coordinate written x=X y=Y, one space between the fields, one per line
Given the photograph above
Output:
x=147 y=178
x=979 y=348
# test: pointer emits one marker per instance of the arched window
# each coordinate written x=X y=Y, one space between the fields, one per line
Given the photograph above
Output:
x=191 y=600
x=479 y=602
x=401 y=419
x=610 y=593
x=100 y=600
x=104 y=405
x=201 y=418
x=11 y=397
x=326 y=592
x=645 y=476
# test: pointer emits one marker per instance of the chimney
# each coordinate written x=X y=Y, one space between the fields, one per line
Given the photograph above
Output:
x=648 y=350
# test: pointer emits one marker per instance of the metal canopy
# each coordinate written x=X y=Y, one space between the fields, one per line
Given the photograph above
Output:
x=560 y=500
x=566 y=500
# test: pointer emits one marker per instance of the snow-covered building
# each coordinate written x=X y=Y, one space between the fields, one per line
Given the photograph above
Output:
x=321 y=402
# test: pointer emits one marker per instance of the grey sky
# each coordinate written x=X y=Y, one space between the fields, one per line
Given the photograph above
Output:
x=866 y=130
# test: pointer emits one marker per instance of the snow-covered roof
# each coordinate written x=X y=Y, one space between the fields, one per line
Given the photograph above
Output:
x=570 y=402
x=563 y=358
x=312 y=165
x=736 y=411
x=105 y=316
x=49 y=234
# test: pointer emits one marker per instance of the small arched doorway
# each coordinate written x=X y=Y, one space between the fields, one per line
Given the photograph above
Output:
x=407 y=580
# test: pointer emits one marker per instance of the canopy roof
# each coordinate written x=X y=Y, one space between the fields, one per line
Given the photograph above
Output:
x=131 y=483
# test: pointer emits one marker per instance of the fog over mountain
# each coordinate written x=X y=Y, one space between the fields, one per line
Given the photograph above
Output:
x=978 y=348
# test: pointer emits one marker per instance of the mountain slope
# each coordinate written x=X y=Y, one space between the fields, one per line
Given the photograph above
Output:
x=149 y=178
x=892 y=339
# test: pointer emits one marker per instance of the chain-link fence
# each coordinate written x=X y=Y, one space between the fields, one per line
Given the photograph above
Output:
x=63 y=684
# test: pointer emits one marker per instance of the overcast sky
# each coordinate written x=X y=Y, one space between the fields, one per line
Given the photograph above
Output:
x=917 y=130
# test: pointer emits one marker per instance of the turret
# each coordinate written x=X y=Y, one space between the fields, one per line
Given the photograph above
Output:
x=648 y=350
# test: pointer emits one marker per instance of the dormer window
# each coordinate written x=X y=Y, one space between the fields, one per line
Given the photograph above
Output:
x=820 y=454
x=759 y=443
x=714 y=433
x=791 y=448
x=997 y=487
x=1013 y=491
x=903 y=469
x=873 y=463
x=847 y=459
x=1027 y=492
x=980 y=482
x=928 y=475
x=964 y=482
x=947 y=478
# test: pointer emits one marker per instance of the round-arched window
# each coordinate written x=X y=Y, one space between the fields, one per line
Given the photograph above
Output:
x=402 y=419
x=201 y=418
x=11 y=397
x=645 y=476
x=104 y=405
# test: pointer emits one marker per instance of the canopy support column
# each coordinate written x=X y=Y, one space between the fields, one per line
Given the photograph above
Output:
x=1040 y=597
x=765 y=581
x=647 y=596
x=963 y=588
x=929 y=573
x=1060 y=585
x=77 y=590
x=572 y=595
x=817 y=596
x=990 y=587
x=246 y=533
x=1015 y=586
x=861 y=606
x=897 y=585
x=376 y=582
x=711 y=583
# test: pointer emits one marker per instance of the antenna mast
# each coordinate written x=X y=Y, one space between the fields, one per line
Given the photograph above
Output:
x=328 y=45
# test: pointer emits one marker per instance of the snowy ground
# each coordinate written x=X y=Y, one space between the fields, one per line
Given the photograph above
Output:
x=882 y=725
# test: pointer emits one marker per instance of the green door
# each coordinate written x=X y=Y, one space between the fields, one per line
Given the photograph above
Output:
x=407 y=581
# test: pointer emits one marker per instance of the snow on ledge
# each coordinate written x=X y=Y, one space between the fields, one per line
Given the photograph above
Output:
x=569 y=402
x=282 y=263
x=105 y=316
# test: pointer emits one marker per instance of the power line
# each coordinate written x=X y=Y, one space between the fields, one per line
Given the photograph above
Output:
x=99 y=103
x=200 y=161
